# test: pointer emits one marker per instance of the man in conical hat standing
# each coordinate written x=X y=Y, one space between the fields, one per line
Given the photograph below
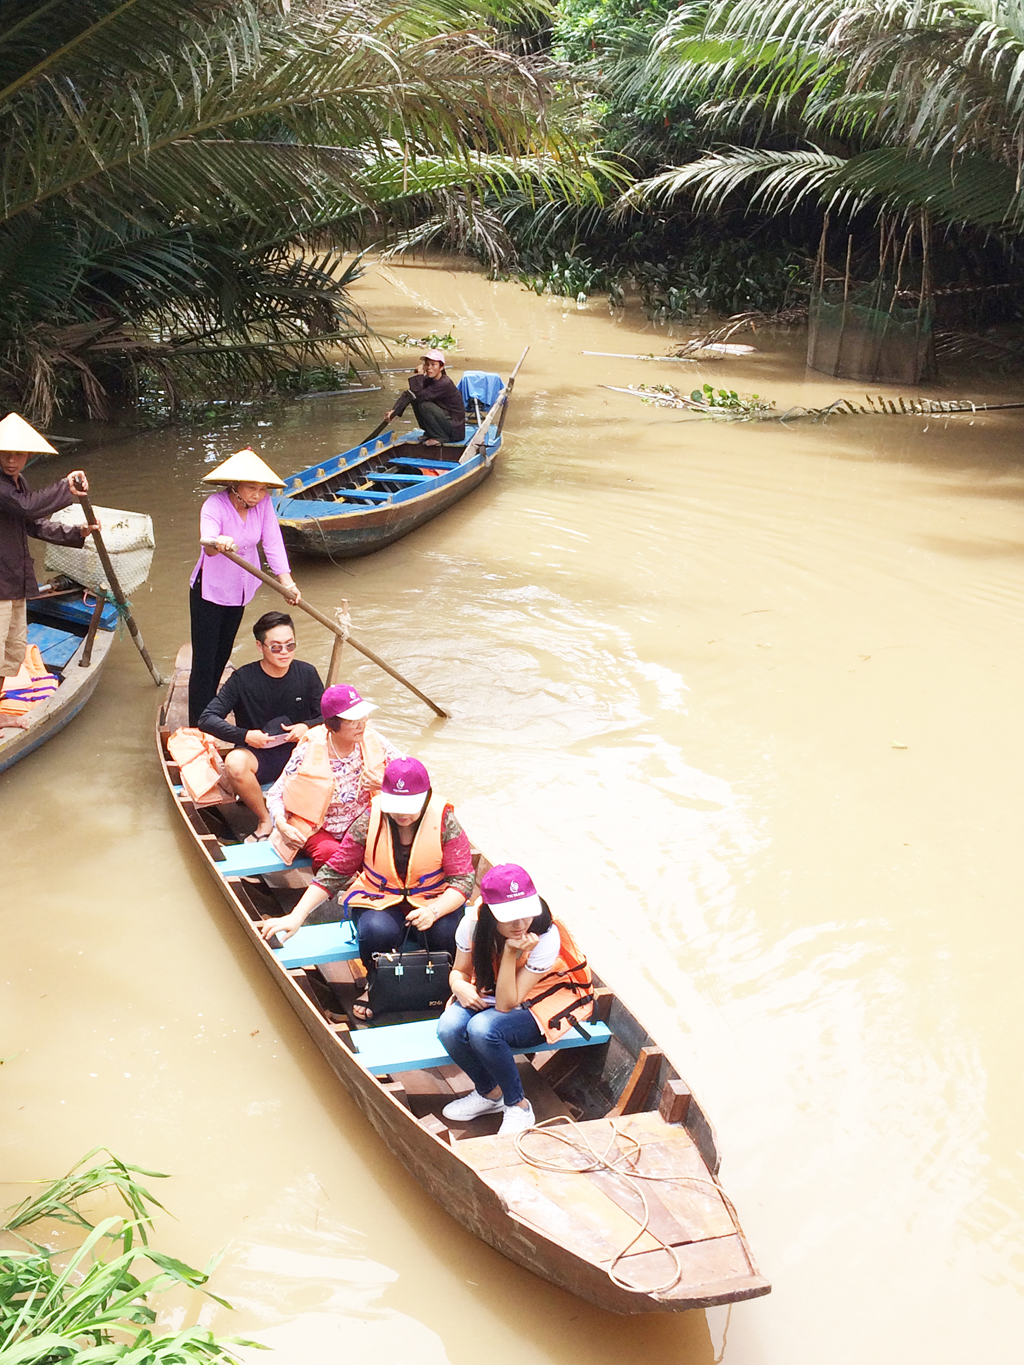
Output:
x=23 y=513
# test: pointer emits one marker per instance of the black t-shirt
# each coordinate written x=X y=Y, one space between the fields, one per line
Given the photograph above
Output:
x=256 y=698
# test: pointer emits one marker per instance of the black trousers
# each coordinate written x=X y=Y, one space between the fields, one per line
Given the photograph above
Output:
x=213 y=637
x=437 y=425
x=382 y=931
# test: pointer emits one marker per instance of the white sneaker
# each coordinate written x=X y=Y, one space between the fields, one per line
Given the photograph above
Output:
x=471 y=1106
x=516 y=1120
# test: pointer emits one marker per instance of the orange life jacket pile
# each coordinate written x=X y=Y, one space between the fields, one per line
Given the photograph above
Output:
x=31 y=685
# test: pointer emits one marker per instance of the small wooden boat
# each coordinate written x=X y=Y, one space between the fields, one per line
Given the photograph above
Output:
x=60 y=624
x=377 y=492
x=643 y=1226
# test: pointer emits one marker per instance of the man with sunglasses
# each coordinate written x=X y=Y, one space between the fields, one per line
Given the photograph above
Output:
x=275 y=701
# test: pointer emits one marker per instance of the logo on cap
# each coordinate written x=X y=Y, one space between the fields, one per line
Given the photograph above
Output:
x=513 y=886
x=400 y=785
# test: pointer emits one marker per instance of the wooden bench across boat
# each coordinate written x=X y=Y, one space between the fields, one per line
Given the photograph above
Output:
x=655 y=1198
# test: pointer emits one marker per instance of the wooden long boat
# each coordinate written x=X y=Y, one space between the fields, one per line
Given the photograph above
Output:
x=375 y=493
x=59 y=624
x=616 y=1090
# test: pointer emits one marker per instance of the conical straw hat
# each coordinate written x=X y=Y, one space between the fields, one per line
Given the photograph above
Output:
x=16 y=434
x=245 y=466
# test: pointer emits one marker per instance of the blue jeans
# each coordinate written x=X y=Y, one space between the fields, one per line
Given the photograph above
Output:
x=481 y=1042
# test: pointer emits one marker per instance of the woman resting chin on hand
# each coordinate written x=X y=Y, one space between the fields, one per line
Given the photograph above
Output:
x=518 y=980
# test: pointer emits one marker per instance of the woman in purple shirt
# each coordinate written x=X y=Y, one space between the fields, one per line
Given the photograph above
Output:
x=239 y=518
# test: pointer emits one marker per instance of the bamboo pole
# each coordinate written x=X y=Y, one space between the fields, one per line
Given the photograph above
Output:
x=210 y=546
x=115 y=588
x=339 y=645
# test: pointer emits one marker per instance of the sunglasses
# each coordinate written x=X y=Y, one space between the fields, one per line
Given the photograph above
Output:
x=276 y=648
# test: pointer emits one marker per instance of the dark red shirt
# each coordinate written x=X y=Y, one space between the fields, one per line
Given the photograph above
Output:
x=23 y=513
x=440 y=391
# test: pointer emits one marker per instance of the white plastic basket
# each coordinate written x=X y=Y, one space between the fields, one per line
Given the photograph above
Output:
x=128 y=537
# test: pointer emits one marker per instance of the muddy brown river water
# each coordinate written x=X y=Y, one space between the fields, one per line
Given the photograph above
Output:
x=746 y=700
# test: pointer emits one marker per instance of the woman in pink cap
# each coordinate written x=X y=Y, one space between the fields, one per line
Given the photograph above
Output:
x=518 y=979
x=329 y=779
x=404 y=865
x=436 y=402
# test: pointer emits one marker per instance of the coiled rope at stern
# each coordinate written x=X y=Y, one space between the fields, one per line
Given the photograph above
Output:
x=615 y=1161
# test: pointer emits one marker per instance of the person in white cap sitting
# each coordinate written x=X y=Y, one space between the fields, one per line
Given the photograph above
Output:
x=518 y=979
x=404 y=865
x=240 y=518
x=330 y=777
x=436 y=402
x=24 y=513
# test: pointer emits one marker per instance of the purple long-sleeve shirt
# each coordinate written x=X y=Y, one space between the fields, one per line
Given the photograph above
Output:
x=23 y=513
x=223 y=582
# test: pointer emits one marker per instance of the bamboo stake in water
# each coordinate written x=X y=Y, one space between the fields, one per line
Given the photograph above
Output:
x=211 y=547
x=115 y=588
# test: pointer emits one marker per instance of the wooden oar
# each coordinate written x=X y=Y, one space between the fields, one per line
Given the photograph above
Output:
x=509 y=386
x=115 y=588
x=211 y=545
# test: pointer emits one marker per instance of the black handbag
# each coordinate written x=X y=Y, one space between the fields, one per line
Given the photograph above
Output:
x=410 y=982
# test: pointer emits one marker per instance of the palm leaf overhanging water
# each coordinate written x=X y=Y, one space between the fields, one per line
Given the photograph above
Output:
x=899 y=106
x=168 y=166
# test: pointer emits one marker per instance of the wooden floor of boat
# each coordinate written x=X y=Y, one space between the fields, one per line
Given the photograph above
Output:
x=595 y=1214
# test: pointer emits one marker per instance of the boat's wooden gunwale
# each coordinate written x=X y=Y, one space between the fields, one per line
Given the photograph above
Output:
x=436 y=1165
x=49 y=718
x=360 y=530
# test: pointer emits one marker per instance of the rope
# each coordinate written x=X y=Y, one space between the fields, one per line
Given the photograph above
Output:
x=123 y=609
x=614 y=1164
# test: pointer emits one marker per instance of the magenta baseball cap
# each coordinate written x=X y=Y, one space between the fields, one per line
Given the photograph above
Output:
x=344 y=701
x=405 y=786
x=509 y=891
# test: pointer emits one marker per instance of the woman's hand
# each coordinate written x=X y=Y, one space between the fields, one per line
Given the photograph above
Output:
x=257 y=739
x=285 y=926
x=467 y=994
x=221 y=543
x=293 y=596
x=524 y=945
x=289 y=833
x=421 y=919
x=79 y=483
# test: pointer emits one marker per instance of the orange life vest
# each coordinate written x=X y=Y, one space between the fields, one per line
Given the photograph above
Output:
x=378 y=884
x=308 y=791
x=29 y=686
x=564 y=996
x=201 y=766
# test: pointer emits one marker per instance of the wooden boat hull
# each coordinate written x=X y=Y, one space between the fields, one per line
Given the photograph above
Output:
x=478 y=1179
x=329 y=534
x=351 y=506
x=49 y=718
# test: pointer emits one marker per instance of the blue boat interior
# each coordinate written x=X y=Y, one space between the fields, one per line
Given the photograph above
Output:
x=58 y=625
x=393 y=469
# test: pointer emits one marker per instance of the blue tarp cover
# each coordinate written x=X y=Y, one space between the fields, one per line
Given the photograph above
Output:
x=481 y=385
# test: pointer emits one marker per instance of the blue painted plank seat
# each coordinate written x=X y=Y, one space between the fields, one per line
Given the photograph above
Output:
x=414 y=1047
x=253 y=860
x=314 y=944
x=426 y=461
x=397 y=478
x=361 y=494
x=55 y=645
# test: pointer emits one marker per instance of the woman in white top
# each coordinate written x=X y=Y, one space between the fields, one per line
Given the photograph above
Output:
x=506 y=947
